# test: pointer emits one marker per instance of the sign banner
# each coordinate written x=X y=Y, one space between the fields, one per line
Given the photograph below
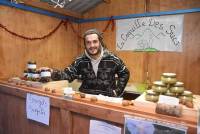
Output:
x=161 y=33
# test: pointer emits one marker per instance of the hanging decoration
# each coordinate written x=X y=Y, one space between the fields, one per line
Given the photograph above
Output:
x=66 y=23
x=31 y=38
x=60 y=3
x=111 y=21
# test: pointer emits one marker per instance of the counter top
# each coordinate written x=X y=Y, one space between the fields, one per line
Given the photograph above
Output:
x=108 y=111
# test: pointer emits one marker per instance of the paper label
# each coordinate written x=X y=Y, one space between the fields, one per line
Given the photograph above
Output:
x=168 y=100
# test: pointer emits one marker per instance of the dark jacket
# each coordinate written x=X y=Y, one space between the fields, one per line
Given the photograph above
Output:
x=105 y=81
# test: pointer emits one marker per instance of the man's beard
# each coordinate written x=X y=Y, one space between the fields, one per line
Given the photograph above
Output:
x=97 y=53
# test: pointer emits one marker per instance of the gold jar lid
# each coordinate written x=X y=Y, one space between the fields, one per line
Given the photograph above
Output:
x=159 y=83
x=151 y=92
x=171 y=75
x=178 y=84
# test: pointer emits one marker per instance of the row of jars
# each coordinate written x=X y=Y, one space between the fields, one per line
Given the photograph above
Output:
x=32 y=74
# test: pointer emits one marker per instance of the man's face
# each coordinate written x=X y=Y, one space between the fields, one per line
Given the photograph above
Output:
x=92 y=45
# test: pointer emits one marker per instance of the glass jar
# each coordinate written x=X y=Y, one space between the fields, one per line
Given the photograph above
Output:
x=31 y=66
x=159 y=87
x=168 y=78
x=36 y=75
x=177 y=88
x=168 y=93
x=45 y=75
x=186 y=99
x=151 y=96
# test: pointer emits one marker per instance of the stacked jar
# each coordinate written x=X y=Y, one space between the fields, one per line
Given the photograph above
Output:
x=45 y=75
x=31 y=69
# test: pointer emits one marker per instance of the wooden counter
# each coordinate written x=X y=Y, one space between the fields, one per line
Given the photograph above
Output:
x=69 y=116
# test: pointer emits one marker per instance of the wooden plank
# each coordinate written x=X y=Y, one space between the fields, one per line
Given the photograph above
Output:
x=66 y=117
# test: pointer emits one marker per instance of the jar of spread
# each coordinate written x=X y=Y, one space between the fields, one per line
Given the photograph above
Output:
x=36 y=75
x=31 y=66
x=186 y=99
x=151 y=96
x=159 y=87
x=168 y=93
x=177 y=88
x=29 y=75
x=45 y=75
x=168 y=78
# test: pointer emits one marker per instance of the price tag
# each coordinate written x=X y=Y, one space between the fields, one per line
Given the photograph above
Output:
x=168 y=100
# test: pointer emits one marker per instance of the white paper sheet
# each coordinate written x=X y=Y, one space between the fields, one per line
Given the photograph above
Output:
x=106 y=98
x=101 y=127
x=38 y=108
x=168 y=100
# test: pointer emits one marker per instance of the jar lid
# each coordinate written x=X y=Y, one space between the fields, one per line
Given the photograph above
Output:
x=31 y=62
x=151 y=92
x=159 y=83
x=178 y=84
x=171 y=75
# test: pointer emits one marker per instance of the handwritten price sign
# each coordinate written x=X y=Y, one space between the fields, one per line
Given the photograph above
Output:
x=37 y=108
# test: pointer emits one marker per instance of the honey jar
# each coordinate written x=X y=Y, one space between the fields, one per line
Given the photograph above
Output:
x=168 y=78
x=151 y=96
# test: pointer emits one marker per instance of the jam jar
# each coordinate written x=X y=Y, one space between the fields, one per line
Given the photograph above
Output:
x=186 y=99
x=45 y=75
x=31 y=66
x=177 y=88
x=159 y=87
x=151 y=96
x=168 y=78
x=36 y=75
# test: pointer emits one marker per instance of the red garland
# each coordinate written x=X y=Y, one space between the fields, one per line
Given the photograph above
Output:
x=72 y=27
x=111 y=21
x=32 y=38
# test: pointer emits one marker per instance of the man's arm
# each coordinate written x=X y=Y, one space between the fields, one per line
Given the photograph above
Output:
x=123 y=77
x=70 y=73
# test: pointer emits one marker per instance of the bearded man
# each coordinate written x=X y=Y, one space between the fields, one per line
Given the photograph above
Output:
x=97 y=68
